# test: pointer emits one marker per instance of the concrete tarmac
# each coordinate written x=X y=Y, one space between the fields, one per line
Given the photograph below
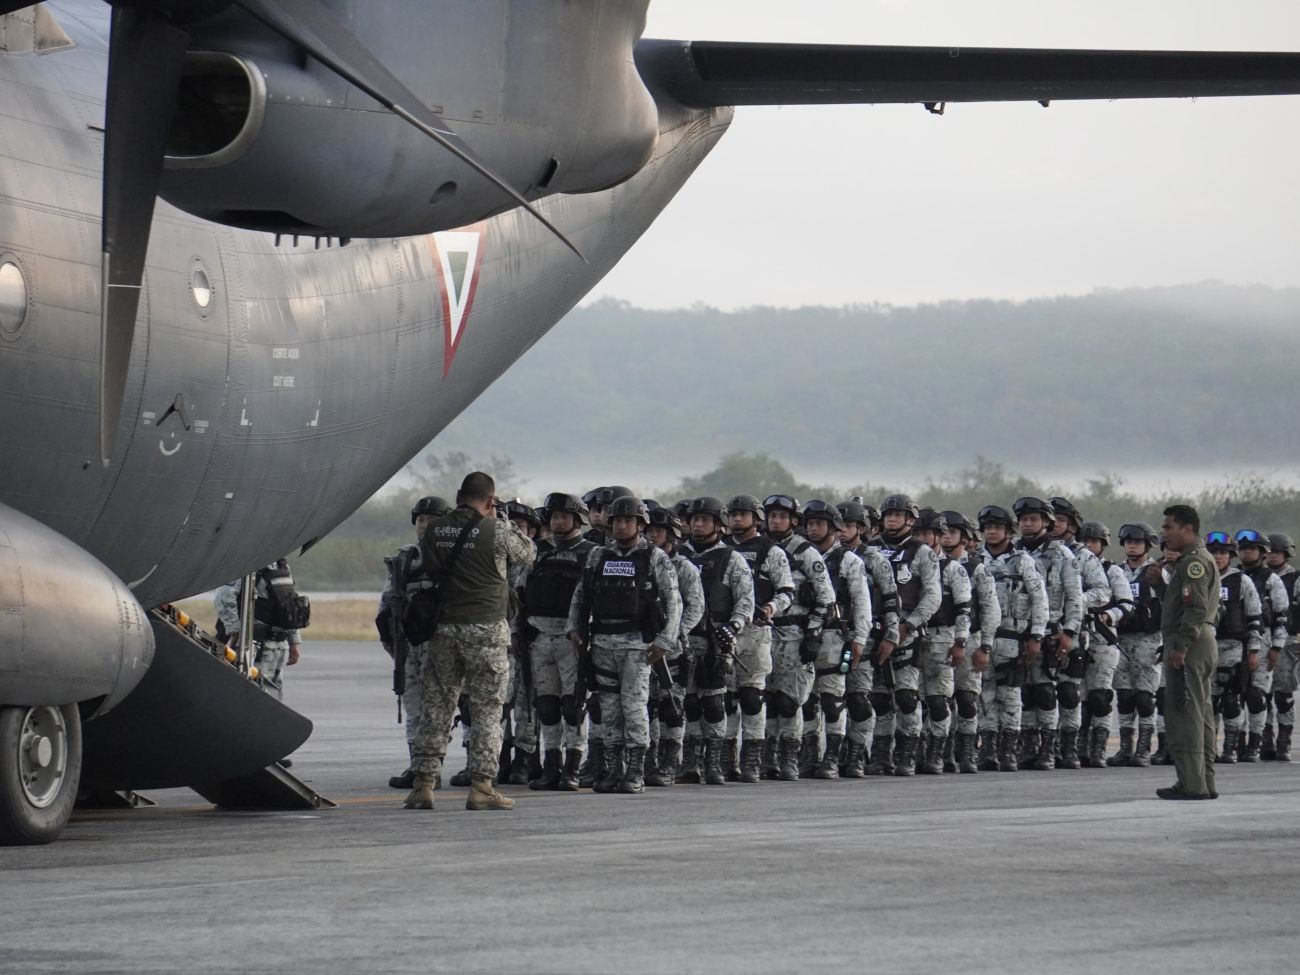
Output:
x=1030 y=872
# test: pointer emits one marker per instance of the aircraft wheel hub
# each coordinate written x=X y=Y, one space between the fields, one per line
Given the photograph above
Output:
x=42 y=755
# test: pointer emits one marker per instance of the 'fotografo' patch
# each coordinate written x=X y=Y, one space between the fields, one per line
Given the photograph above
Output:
x=627 y=569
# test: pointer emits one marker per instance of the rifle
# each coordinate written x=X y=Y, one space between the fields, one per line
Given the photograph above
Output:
x=525 y=657
x=664 y=675
x=399 y=567
x=722 y=650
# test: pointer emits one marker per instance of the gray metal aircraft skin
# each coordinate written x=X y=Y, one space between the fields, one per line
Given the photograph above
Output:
x=334 y=275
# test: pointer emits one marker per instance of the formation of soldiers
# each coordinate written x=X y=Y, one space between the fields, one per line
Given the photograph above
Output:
x=712 y=642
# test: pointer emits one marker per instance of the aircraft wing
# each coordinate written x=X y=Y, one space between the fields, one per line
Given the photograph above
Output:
x=704 y=74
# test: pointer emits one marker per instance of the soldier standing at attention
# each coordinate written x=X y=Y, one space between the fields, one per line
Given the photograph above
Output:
x=469 y=549
x=1191 y=655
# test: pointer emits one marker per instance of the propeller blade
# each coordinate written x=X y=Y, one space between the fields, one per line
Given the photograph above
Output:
x=310 y=25
x=146 y=54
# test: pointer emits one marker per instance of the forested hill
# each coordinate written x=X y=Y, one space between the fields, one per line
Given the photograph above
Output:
x=1161 y=377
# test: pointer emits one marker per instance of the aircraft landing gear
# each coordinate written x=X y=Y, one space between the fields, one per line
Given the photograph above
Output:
x=40 y=767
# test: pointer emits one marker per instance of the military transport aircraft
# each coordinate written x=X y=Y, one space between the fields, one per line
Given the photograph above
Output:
x=371 y=209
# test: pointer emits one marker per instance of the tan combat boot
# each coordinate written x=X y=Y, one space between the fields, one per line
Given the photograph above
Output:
x=483 y=796
x=421 y=796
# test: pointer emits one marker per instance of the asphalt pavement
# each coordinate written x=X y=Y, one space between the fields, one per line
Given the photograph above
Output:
x=1035 y=872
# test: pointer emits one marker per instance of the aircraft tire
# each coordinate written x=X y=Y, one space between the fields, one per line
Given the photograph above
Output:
x=40 y=768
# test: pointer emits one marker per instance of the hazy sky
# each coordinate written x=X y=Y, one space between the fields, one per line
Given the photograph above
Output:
x=845 y=204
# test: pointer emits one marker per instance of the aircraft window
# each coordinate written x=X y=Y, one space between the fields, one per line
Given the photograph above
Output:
x=13 y=298
x=200 y=287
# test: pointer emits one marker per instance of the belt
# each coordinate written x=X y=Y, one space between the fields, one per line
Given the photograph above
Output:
x=613 y=627
x=799 y=621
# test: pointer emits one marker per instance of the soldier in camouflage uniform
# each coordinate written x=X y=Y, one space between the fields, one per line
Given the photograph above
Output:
x=1137 y=677
x=947 y=634
x=627 y=613
x=519 y=722
x=274 y=648
x=729 y=600
x=882 y=591
x=469 y=650
x=1097 y=597
x=1101 y=657
x=796 y=634
x=548 y=596
x=1281 y=551
x=1238 y=632
x=896 y=691
x=845 y=633
x=668 y=696
x=1016 y=643
x=971 y=671
x=773 y=594
x=1276 y=603
x=406 y=576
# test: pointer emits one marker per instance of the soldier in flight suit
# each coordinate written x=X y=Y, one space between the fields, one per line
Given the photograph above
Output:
x=627 y=613
x=703 y=670
x=773 y=595
x=406 y=576
x=548 y=596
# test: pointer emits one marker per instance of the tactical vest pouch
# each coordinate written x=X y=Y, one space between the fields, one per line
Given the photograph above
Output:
x=549 y=591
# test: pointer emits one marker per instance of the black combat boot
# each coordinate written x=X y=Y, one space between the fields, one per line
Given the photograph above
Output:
x=829 y=768
x=1097 y=746
x=808 y=757
x=1253 y=744
x=1283 y=743
x=517 y=773
x=713 y=774
x=731 y=760
x=1028 y=748
x=1229 y=754
x=1268 y=746
x=461 y=779
x=933 y=764
x=503 y=763
x=905 y=758
x=534 y=763
x=1125 y=753
x=771 y=759
x=670 y=760
x=404 y=781
x=1008 y=760
x=594 y=766
x=988 y=761
x=690 y=770
x=1161 y=756
x=613 y=769
x=633 y=781
x=965 y=753
x=1070 y=748
x=549 y=779
x=882 y=756
x=570 y=773
x=1141 y=757
x=788 y=756
x=853 y=765
x=950 y=753
x=751 y=761
x=1045 y=760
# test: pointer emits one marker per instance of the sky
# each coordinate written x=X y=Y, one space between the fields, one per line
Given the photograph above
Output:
x=846 y=204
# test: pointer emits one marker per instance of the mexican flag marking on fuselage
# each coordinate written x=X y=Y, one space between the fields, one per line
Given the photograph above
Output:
x=457 y=255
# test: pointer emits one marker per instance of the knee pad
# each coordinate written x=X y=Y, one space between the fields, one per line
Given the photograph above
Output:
x=882 y=701
x=1230 y=704
x=859 y=707
x=832 y=706
x=570 y=711
x=937 y=707
x=1283 y=700
x=1160 y=702
x=751 y=700
x=692 y=707
x=729 y=700
x=462 y=705
x=1099 y=702
x=670 y=715
x=1068 y=695
x=593 y=708
x=548 y=709
x=810 y=708
x=1043 y=697
x=908 y=700
x=783 y=704
x=1256 y=700
x=1127 y=702
x=967 y=704
x=713 y=708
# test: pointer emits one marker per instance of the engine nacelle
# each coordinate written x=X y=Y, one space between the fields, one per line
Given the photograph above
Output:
x=547 y=96
x=70 y=630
